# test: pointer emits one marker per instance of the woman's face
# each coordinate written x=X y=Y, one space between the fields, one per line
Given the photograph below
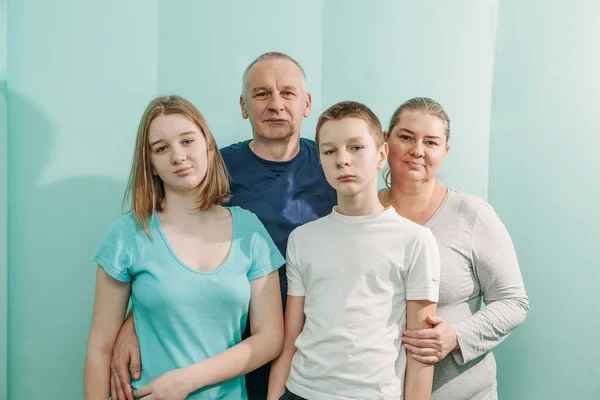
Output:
x=417 y=146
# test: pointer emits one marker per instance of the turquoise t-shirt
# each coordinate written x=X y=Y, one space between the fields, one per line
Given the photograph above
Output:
x=183 y=316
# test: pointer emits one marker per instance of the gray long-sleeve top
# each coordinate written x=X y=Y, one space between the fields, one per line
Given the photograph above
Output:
x=478 y=263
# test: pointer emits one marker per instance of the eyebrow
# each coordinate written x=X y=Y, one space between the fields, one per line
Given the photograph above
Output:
x=351 y=140
x=427 y=136
x=180 y=135
x=259 y=88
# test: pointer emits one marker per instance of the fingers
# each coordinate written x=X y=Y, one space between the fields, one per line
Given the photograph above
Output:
x=423 y=351
x=125 y=381
x=128 y=391
x=113 y=389
x=423 y=343
x=434 y=319
x=135 y=366
x=118 y=387
x=425 y=360
x=422 y=334
x=146 y=390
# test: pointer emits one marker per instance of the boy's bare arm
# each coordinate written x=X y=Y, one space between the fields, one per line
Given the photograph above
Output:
x=280 y=369
x=419 y=376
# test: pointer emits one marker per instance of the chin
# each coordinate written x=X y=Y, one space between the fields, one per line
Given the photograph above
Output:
x=277 y=134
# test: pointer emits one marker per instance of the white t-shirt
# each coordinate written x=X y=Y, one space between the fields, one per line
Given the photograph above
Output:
x=356 y=274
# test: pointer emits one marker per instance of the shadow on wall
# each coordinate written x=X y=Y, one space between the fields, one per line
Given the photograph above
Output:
x=53 y=230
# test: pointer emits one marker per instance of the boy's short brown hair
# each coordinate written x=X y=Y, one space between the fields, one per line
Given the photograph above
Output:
x=352 y=109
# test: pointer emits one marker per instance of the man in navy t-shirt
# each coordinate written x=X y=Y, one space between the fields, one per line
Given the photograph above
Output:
x=276 y=175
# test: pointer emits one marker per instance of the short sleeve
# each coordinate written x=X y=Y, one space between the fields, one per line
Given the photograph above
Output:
x=423 y=274
x=295 y=282
x=115 y=253
x=266 y=258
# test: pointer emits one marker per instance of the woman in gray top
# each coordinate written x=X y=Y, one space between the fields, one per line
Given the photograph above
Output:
x=477 y=254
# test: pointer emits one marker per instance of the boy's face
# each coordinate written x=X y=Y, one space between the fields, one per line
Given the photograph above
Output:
x=350 y=158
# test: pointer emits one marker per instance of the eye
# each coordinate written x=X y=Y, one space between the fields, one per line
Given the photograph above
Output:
x=261 y=95
x=188 y=141
x=328 y=152
x=288 y=94
x=431 y=143
x=356 y=148
x=160 y=149
x=404 y=137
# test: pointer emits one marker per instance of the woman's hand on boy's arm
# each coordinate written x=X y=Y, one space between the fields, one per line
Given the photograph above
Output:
x=280 y=369
x=431 y=345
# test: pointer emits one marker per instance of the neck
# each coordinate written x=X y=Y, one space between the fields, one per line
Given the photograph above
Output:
x=180 y=208
x=411 y=194
x=365 y=202
x=275 y=149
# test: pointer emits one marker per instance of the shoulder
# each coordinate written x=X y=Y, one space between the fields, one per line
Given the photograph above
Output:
x=309 y=230
x=246 y=222
x=414 y=234
x=230 y=152
x=309 y=147
x=476 y=212
x=125 y=226
x=464 y=205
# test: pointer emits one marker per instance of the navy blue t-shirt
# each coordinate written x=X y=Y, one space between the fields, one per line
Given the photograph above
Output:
x=283 y=196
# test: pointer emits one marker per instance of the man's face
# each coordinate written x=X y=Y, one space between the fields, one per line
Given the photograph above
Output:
x=275 y=100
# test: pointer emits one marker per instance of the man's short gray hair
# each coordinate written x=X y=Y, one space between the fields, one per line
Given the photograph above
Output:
x=272 y=55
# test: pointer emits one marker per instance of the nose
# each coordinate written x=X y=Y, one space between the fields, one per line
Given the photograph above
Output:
x=417 y=149
x=276 y=103
x=177 y=156
x=342 y=160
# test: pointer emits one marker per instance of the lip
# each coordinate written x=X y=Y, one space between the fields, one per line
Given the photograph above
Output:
x=183 y=171
x=346 y=178
x=413 y=164
x=276 y=121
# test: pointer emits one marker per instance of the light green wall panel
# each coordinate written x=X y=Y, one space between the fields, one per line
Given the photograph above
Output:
x=79 y=77
x=193 y=65
x=544 y=169
x=3 y=240
x=391 y=51
x=3 y=205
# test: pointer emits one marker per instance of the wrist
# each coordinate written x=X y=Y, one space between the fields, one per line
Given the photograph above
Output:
x=191 y=379
x=455 y=337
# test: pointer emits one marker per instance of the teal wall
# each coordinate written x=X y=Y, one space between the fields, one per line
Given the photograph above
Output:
x=544 y=184
x=79 y=76
x=3 y=203
x=519 y=91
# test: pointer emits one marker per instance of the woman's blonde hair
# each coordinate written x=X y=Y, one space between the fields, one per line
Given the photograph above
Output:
x=145 y=190
x=426 y=106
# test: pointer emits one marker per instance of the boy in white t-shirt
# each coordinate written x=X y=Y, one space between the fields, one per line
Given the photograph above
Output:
x=357 y=279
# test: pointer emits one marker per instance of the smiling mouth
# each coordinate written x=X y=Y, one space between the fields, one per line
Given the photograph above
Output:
x=413 y=164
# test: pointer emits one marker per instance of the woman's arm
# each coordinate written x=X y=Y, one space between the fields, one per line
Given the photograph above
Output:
x=110 y=305
x=262 y=346
x=419 y=377
x=506 y=304
x=294 y=323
